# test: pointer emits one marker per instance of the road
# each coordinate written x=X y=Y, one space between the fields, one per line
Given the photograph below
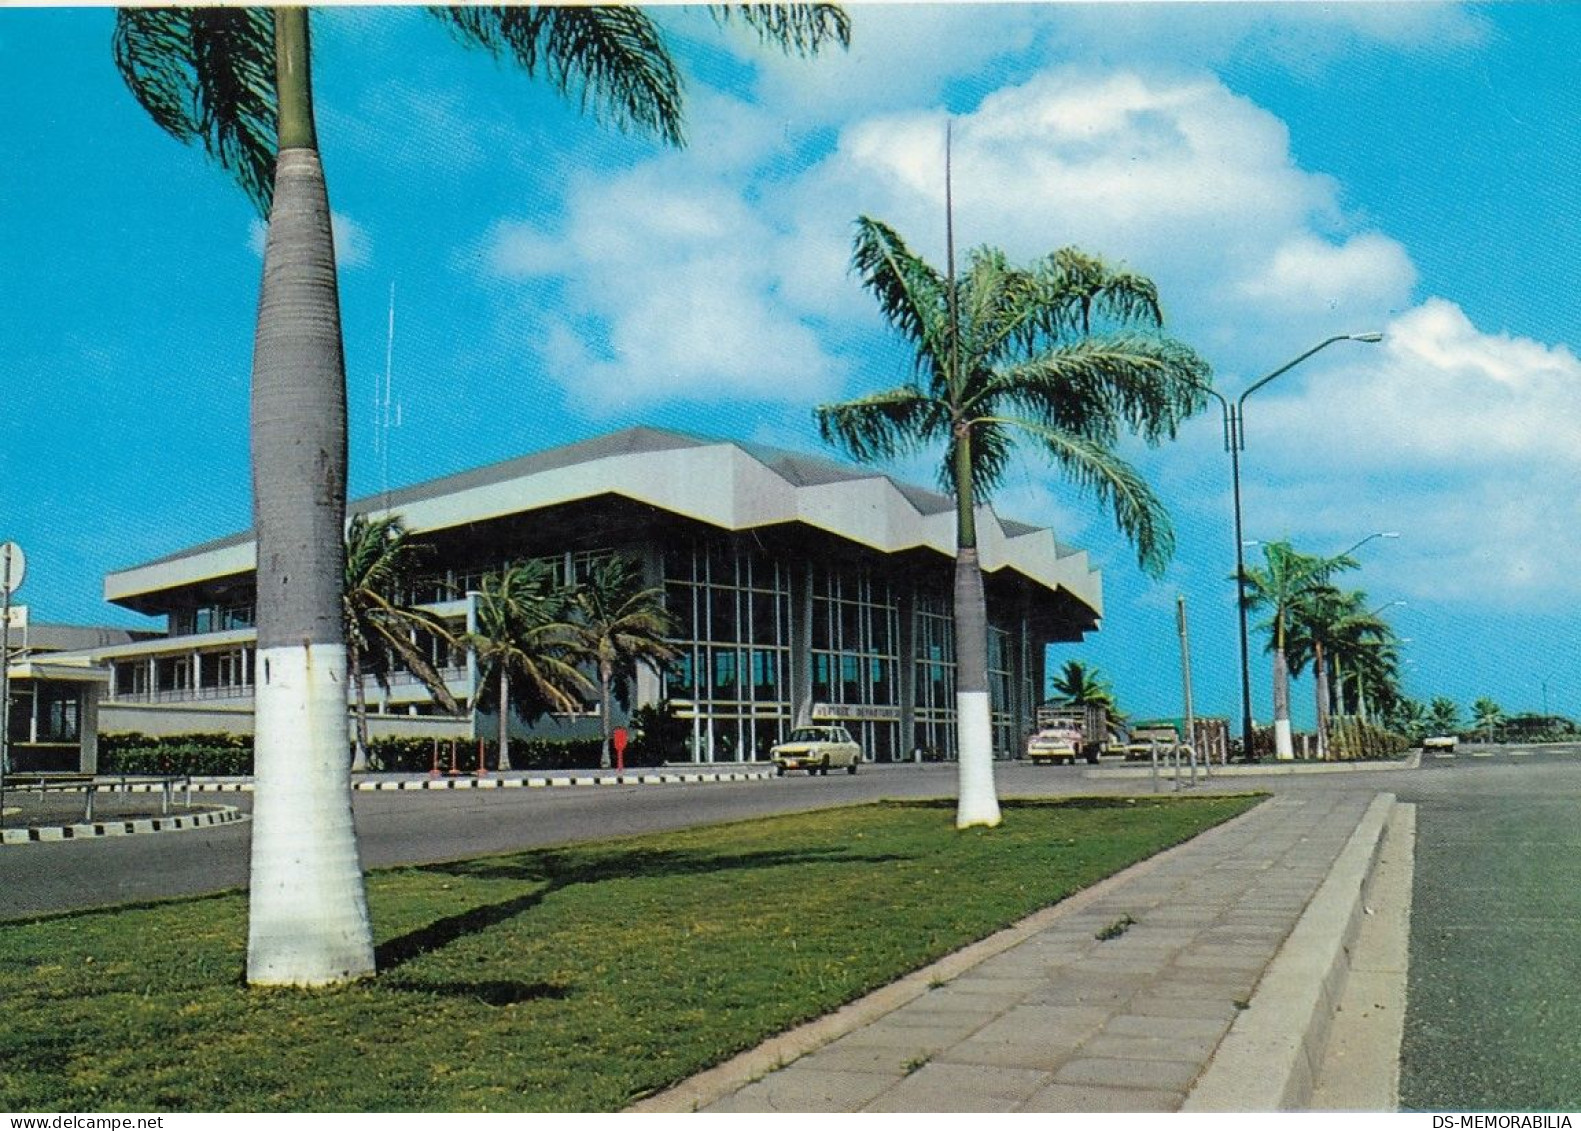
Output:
x=411 y=827
x=1493 y=1021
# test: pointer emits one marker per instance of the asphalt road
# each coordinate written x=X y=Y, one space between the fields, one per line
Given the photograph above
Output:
x=1493 y=1020
x=411 y=827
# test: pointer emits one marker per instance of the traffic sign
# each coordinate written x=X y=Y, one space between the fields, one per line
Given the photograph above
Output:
x=13 y=567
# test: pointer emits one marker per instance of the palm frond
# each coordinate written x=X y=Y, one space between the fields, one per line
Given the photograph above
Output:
x=1077 y=287
x=913 y=297
x=1001 y=309
x=207 y=75
x=611 y=59
x=380 y=561
x=884 y=425
x=1093 y=468
x=804 y=29
x=1098 y=386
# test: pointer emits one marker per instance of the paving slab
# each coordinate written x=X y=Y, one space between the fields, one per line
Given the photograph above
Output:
x=1051 y=1017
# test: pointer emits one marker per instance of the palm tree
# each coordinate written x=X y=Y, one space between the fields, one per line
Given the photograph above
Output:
x=1325 y=625
x=1007 y=352
x=524 y=631
x=1486 y=716
x=1078 y=685
x=619 y=623
x=1443 y=716
x=1287 y=579
x=1408 y=717
x=239 y=81
x=382 y=631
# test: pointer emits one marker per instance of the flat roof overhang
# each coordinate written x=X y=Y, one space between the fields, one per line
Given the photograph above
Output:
x=718 y=484
x=40 y=671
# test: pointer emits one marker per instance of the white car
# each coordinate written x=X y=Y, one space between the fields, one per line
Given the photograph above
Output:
x=1441 y=742
x=1053 y=745
x=816 y=749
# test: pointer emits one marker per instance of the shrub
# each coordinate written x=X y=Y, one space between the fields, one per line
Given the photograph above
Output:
x=1350 y=739
x=202 y=755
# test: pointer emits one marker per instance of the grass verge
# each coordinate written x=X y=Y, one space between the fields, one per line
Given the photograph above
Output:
x=566 y=979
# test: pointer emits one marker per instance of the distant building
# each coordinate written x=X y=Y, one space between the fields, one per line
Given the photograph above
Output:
x=54 y=701
x=804 y=590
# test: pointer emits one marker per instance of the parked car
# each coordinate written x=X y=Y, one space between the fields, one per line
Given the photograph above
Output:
x=1053 y=745
x=1148 y=735
x=1441 y=742
x=816 y=749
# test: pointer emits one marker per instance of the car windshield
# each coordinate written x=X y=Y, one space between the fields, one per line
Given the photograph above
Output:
x=810 y=734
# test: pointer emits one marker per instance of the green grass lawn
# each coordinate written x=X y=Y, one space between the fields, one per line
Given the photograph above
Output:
x=569 y=979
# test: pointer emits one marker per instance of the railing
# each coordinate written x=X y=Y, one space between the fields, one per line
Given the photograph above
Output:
x=183 y=694
x=90 y=785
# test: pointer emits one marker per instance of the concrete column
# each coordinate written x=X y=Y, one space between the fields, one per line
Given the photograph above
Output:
x=801 y=645
x=88 y=728
x=906 y=673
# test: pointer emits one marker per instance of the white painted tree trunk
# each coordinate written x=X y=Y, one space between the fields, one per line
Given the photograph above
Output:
x=978 y=800
x=308 y=924
x=1284 y=749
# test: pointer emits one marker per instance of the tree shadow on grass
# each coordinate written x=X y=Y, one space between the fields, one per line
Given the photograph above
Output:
x=557 y=870
x=494 y=993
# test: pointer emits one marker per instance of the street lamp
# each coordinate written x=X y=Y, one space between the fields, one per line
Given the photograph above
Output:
x=1235 y=443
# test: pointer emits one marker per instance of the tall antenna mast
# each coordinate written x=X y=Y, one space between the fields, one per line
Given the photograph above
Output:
x=968 y=532
x=384 y=423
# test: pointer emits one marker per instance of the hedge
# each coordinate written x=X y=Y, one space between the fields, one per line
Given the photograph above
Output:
x=230 y=755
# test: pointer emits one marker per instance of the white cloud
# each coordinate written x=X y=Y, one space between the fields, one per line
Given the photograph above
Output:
x=1178 y=178
x=1467 y=442
x=1305 y=274
x=680 y=276
x=684 y=263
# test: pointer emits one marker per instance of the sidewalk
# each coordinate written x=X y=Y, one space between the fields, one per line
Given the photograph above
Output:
x=1203 y=979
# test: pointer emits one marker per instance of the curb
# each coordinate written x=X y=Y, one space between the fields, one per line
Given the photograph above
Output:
x=1261 y=769
x=471 y=781
x=55 y=833
x=1271 y=1056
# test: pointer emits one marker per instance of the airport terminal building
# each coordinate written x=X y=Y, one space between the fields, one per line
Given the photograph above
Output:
x=803 y=590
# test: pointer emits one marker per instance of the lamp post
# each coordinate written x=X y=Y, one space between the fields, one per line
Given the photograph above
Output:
x=1235 y=443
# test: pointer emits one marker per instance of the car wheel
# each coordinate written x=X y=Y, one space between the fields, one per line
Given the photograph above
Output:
x=779 y=771
x=851 y=769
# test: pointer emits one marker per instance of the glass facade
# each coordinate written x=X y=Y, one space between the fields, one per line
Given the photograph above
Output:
x=733 y=628
x=769 y=636
x=856 y=655
x=934 y=678
x=769 y=641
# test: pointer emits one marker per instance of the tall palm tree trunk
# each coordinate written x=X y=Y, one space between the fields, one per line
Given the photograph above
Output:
x=977 y=800
x=1284 y=748
x=359 y=757
x=308 y=916
x=606 y=705
x=503 y=731
x=1320 y=688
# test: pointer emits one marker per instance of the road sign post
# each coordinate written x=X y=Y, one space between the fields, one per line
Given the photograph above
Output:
x=13 y=567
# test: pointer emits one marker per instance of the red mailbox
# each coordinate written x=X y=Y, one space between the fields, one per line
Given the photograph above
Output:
x=618 y=736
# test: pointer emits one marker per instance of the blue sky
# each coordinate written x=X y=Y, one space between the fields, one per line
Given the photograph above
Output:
x=1284 y=172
